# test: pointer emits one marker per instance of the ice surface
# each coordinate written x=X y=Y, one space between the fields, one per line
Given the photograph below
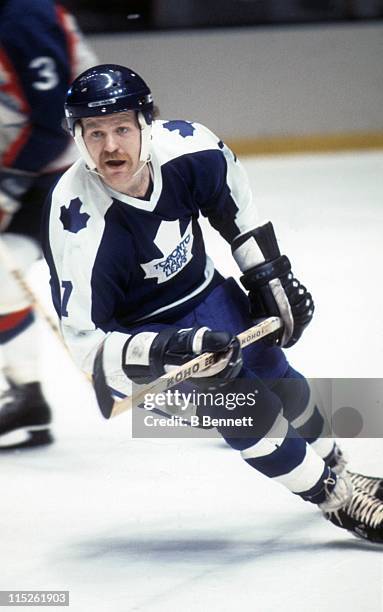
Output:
x=184 y=525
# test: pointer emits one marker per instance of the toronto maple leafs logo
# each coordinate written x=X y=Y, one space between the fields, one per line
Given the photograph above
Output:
x=72 y=219
x=176 y=250
x=184 y=127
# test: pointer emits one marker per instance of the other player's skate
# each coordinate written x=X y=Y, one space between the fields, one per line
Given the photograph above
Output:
x=354 y=509
x=24 y=417
x=371 y=484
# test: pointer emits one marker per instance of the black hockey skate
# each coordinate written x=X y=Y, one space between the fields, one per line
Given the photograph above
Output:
x=371 y=484
x=24 y=417
x=362 y=515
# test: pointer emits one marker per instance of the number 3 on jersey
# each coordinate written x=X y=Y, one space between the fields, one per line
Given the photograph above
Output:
x=67 y=290
x=47 y=77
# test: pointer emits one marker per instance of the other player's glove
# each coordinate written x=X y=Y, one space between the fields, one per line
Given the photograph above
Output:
x=13 y=184
x=272 y=288
x=148 y=355
x=8 y=207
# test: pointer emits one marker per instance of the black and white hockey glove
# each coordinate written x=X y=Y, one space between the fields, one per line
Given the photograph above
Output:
x=148 y=355
x=272 y=288
x=13 y=184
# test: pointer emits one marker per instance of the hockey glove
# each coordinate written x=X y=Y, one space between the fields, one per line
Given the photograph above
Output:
x=272 y=288
x=13 y=184
x=148 y=355
x=8 y=207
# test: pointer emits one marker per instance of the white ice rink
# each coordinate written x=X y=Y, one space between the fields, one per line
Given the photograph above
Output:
x=185 y=525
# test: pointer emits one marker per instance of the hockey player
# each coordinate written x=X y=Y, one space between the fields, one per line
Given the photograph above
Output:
x=130 y=277
x=41 y=50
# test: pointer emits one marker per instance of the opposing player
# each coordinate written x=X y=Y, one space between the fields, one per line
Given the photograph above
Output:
x=131 y=282
x=41 y=50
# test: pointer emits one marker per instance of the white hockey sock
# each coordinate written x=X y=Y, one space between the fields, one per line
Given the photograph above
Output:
x=323 y=446
x=20 y=356
x=320 y=397
x=286 y=458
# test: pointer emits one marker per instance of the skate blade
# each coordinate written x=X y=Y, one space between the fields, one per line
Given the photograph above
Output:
x=38 y=435
x=360 y=536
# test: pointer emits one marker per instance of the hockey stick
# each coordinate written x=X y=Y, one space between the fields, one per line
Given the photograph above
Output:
x=108 y=406
x=111 y=408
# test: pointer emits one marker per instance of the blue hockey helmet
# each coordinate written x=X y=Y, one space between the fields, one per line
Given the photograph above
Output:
x=107 y=89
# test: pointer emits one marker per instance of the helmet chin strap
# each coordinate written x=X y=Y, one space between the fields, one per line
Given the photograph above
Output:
x=145 y=156
x=146 y=135
x=79 y=140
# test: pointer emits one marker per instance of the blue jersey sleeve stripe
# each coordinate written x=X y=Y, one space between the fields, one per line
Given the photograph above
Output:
x=54 y=279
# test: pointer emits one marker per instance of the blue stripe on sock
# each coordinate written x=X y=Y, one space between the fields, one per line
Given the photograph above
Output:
x=313 y=428
x=317 y=494
x=284 y=459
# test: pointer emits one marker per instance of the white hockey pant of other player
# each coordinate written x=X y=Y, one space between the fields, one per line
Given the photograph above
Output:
x=19 y=360
x=24 y=252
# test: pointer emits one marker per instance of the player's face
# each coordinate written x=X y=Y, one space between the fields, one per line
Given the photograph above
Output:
x=114 y=143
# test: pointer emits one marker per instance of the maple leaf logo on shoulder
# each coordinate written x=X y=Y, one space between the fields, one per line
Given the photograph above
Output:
x=184 y=127
x=72 y=219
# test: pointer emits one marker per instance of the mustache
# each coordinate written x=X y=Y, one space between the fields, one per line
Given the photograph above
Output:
x=114 y=157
